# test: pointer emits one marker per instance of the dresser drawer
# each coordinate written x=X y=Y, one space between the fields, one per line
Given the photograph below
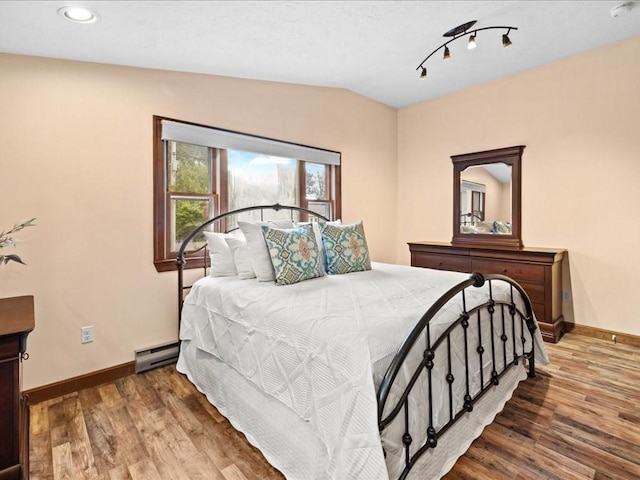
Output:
x=534 y=290
x=441 y=262
x=518 y=271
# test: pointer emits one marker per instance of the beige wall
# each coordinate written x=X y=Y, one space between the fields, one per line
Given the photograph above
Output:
x=76 y=146
x=75 y=143
x=579 y=121
x=505 y=198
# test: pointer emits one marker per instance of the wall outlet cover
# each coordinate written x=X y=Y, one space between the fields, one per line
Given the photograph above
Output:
x=86 y=334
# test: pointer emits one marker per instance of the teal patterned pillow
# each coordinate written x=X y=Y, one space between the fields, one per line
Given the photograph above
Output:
x=345 y=248
x=295 y=253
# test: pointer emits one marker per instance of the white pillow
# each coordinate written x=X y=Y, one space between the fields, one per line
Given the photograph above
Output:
x=241 y=257
x=222 y=264
x=260 y=258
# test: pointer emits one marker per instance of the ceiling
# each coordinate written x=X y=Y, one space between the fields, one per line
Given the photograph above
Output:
x=369 y=47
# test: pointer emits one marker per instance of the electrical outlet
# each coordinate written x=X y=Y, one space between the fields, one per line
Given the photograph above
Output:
x=86 y=334
x=566 y=295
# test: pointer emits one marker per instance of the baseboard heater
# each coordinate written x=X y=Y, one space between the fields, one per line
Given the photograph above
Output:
x=157 y=356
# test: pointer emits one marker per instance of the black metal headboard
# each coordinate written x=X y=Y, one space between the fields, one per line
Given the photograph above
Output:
x=181 y=259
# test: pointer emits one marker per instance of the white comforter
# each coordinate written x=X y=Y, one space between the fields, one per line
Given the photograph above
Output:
x=321 y=346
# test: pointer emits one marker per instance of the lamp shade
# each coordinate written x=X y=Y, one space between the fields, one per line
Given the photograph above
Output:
x=472 y=42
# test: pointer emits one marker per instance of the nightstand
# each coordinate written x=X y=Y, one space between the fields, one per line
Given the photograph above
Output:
x=16 y=321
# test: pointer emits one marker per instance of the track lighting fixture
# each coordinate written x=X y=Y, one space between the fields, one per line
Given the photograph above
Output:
x=505 y=39
x=472 y=42
x=462 y=31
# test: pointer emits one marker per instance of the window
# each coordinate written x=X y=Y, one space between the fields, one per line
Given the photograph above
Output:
x=190 y=180
x=472 y=196
x=200 y=172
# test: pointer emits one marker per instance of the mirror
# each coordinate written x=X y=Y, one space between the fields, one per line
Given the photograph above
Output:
x=485 y=199
x=486 y=202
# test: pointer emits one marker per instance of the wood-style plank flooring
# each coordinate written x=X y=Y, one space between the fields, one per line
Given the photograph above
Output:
x=579 y=419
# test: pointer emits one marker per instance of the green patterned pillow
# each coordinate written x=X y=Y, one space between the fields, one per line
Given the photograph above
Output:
x=345 y=248
x=295 y=253
x=501 y=227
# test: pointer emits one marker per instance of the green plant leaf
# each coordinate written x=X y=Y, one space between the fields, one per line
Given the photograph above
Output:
x=8 y=258
x=7 y=241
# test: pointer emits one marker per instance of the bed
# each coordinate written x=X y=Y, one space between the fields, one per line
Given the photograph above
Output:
x=383 y=372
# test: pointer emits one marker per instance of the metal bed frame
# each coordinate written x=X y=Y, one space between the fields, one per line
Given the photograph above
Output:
x=181 y=257
x=501 y=315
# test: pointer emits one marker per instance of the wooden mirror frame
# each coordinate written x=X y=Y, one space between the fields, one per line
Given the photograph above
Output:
x=511 y=156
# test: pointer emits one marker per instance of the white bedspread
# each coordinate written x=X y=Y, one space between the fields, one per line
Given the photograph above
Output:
x=321 y=346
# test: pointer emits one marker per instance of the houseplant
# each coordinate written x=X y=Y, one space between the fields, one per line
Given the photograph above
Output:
x=6 y=240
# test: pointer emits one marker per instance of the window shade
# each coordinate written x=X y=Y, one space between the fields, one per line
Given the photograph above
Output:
x=216 y=138
x=476 y=187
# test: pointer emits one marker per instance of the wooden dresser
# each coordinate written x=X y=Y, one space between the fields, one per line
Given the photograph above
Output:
x=16 y=321
x=537 y=270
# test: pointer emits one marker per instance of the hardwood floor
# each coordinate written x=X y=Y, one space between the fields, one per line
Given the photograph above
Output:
x=579 y=419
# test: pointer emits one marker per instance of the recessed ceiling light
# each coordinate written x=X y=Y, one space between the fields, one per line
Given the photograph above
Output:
x=78 y=14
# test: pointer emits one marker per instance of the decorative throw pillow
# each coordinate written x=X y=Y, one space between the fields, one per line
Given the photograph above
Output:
x=345 y=248
x=295 y=254
x=241 y=257
x=260 y=259
x=318 y=234
x=222 y=264
x=501 y=227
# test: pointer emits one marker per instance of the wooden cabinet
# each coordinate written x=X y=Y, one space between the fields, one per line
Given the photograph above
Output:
x=16 y=321
x=537 y=270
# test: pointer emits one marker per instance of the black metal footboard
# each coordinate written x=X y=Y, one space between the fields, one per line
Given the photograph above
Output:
x=486 y=340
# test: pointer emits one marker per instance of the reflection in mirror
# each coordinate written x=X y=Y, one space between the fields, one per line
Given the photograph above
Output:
x=485 y=199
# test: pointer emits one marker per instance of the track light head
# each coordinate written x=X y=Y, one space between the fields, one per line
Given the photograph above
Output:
x=423 y=73
x=472 y=42
x=447 y=54
x=505 y=40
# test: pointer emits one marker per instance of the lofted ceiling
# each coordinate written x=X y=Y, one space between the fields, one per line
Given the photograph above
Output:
x=369 y=47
